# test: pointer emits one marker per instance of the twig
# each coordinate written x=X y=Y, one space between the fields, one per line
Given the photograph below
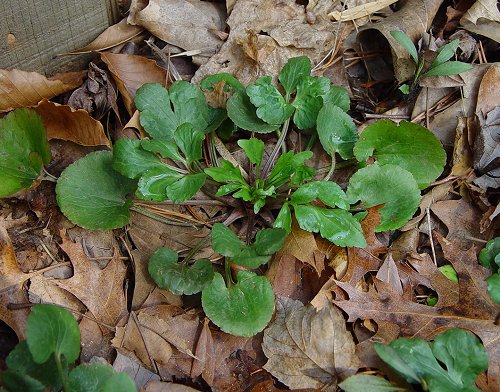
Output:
x=430 y=235
x=152 y=215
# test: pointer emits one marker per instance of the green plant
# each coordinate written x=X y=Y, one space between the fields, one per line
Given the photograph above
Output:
x=395 y=162
x=46 y=358
x=440 y=66
x=241 y=308
x=489 y=257
x=450 y=363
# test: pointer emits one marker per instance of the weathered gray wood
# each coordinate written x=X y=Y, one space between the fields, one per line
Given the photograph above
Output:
x=33 y=32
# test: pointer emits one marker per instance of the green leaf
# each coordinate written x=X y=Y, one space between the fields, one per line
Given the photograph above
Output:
x=89 y=377
x=337 y=96
x=405 y=89
x=390 y=185
x=243 y=309
x=308 y=100
x=216 y=117
x=446 y=52
x=391 y=356
x=229 y=80
x=153 y=184
x=337 y=226
x=294 y=70
x=93 y=195
x=189 y=141
x=447 y=69
x=284 y=218
x=166 y=149
x=271 y=106
x=157 y=117
x=489 y=256
x=15 y=382
x=269 y=241
x=448 y=271
x=225 y=242
x=408 y=145
x=336 y=130
x=494 y=287
x=328 y=192
x=286 y=166
x=226 y=173
x=180 y=279
x=186 y=187
x=52 y=329
x=119 y=382
x=406 y=43
x=463 y=355
x=458 y=350
x=21 y=361
x=254 y=149
x=241 y=111
x=131 y=160
x=367 y=383
x=23 y=150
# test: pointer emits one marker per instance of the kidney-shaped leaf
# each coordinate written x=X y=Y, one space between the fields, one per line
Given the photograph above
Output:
x=96 y=377
x=243 y=309
x=93 y=195
x=179 y=278
x=408 y=145
x=52 y=329
x=390 y=185
x=241 y=111
x=131 y=160
x=23 y=150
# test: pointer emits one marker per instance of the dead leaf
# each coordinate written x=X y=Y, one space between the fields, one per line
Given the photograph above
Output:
x=284 y=273
x=45 y=290
x=405 y=244
x=160 y=386
x=204 y=363
x=20 y=88
x=64 y=122
x=361 y=11
x=388 y=272
x=307 y=348
x=100 y=290
x=170 y=20
x=302 y=245
x=130 y=72
x=114 y=35
x=126 y=362
x=462 y=220
x=95 y=339
x=462 y=153
x=474 y=311
x=483 y=18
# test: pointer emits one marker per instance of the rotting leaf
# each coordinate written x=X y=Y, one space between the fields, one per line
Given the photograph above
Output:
x=307 y=347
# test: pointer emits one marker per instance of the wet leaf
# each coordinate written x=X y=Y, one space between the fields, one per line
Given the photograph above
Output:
x=24 y=150
x=243 y=309
x=94 y=196
x=178 y=278
x=308 y=347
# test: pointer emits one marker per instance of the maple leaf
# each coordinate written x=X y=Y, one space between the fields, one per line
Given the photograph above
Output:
x=100 y=290
x=474 y=311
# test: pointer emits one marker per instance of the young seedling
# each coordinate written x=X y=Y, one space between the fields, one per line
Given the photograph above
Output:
x=45 y=360
x=440 y=66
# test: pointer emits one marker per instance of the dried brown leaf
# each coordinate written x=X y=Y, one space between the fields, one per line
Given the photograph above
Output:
x=130 y=72
x=100 y=290
x=483 y=18
x=64 y=122
x=128 y=363
x=114 y=35
x=308 y=348
x=204 y=363
x=46 y=290
x=160 y=386
x=19 y=88
x=388 y=272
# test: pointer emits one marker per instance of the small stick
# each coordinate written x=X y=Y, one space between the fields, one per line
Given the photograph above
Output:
x=430 y=236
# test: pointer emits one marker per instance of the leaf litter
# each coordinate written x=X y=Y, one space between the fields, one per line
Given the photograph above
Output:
x=332 y=302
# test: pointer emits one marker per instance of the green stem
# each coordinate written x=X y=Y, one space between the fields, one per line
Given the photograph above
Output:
x=194 y=250
x=276 y=150
x=227 y=270
x=176 y=169
x=311 y=142
x=332 y=168
x=61 y=373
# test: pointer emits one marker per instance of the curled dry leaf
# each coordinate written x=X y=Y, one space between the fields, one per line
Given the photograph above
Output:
x=361 y=10
x=20 y=88
x=130 y=72
x=308 y=348
x=114 y=35
x=75 y=125
x=160 y=386
x=170 y=20
x=483 y=18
